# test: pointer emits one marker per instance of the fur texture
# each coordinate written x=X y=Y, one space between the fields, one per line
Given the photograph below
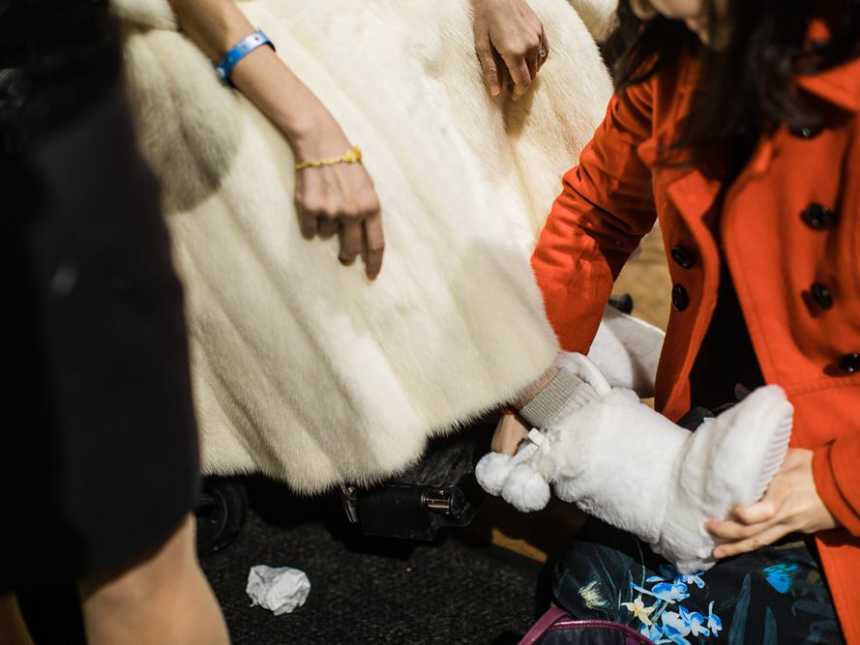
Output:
x=301 y=368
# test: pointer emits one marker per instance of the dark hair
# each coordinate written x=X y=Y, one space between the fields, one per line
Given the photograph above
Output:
x=747 y=87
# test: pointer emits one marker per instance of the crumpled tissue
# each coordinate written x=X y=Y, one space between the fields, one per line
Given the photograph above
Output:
x=280 y=590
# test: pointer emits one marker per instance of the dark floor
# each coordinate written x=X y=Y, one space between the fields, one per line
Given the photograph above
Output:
x=370 y=591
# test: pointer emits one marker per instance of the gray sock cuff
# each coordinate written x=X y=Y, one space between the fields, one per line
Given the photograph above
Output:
x=565 y=392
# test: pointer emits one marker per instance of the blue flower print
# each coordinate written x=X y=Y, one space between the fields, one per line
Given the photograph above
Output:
x=672 y=635
x=669 y=592
x=714 y=622
x=675 y=628
x=669 y=573
x=780 y=576
x=665 y=626
x=652 y=632
x=696 y=621
x=692 y=579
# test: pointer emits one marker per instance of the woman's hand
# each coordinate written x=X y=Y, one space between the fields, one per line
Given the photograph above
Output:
x=331 y=200
x=338 y=199
x=790 y=505
x=510 y=43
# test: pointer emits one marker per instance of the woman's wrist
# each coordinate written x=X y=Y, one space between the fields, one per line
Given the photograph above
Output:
x=313 y=133
x=288 y=103
x=304 y=120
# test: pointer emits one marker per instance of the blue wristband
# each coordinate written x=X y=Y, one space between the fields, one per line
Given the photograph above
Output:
x=241 y=49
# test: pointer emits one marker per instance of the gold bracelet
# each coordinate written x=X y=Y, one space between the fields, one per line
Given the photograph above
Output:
x=351 y=156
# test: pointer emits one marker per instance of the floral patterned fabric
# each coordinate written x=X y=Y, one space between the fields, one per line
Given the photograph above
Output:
x=774 y=596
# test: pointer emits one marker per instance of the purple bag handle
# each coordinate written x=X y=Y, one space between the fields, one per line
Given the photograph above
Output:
x=555 y=615
x=543 y=624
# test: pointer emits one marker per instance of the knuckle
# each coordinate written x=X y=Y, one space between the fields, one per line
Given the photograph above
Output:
x=313 y=207
x=369 y=204
x=746 y=517
x=522 y=47
x=351 y=213
x=304 y=202
x=330 y=213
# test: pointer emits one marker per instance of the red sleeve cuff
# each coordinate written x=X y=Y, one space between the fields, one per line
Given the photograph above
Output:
x=834 y=496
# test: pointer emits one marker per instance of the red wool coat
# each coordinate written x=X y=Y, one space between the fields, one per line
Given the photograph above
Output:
x=791 y=233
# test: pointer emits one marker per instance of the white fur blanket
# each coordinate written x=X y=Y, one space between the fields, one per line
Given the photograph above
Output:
x=301 y=368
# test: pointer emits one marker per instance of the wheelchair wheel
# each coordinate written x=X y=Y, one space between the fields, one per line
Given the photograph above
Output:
x=220 y=513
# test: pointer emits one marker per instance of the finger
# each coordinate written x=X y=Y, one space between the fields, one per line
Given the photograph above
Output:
x=746 y=521
x=505 y=82
x=488 y=63
x=304 y=207
x=328 y=223
x=533 y=61
x=734 y=531
x=351 y=239
x=519 y=70
x=762 y=511
x=374 y=246
x=307 y=223
x=365 y=200
x=754 y=543
x=327 y=226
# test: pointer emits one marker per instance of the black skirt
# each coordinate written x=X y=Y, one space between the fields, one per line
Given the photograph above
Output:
x=99 y=459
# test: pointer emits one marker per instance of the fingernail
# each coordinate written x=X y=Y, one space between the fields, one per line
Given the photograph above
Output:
x=345 y=261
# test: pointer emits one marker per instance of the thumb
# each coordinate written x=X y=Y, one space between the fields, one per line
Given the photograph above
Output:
x=762 y=511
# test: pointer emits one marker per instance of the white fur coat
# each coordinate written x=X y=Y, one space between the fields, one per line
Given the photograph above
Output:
x=301 y=368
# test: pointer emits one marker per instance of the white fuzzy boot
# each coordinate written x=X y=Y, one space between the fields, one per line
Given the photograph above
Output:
x=624 y=463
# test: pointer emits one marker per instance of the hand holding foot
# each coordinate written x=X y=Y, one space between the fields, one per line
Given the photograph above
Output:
x=791 y=505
